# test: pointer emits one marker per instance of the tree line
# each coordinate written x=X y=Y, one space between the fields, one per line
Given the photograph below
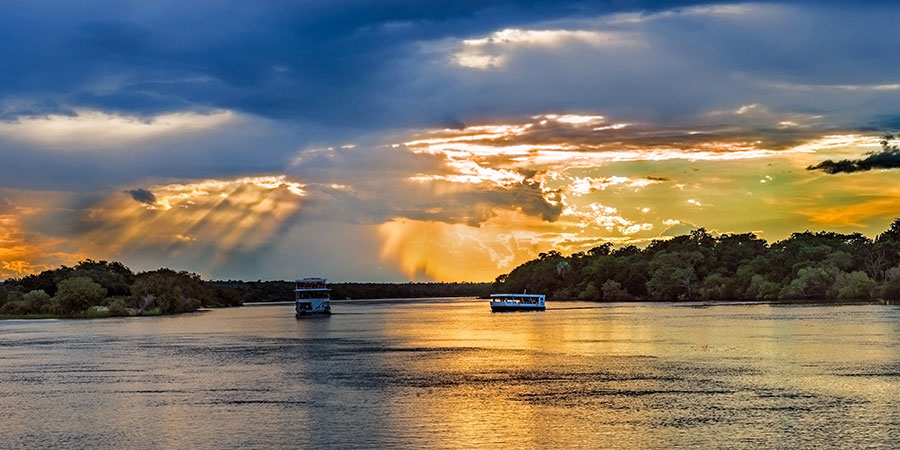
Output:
x=279 y=291
x=701 y=266
x=101 y=289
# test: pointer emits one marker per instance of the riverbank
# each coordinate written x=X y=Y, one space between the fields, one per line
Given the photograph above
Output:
x=86 y=315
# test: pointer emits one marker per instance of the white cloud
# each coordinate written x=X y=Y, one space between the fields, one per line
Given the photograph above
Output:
x=108 y=130
x=492 y=52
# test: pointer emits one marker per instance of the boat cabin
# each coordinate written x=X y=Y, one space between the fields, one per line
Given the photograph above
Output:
x=311 y=296
x=517 y=302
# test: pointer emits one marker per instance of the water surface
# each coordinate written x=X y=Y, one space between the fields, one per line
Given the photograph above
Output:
x=450 y=374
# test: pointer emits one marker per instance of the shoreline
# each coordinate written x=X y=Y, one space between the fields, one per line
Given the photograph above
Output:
x=94 y=317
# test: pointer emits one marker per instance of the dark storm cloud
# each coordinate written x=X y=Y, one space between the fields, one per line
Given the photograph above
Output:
x=328 y=62
x=142 y=195
x=887 y=158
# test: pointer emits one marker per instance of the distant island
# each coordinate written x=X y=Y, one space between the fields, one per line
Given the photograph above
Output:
x=107 y=289
x=807 y=266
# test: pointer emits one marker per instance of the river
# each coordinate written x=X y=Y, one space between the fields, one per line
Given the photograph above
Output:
x=450 y=374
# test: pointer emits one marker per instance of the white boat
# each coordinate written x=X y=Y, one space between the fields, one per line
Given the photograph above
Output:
x=311 y=297
x=517 y=302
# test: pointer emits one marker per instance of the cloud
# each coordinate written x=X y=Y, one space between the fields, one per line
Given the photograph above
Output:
x=23 y=249
x=142 y=195
x=209 y=222
x=104 y=130
x=347 y=63
x=492 y=52
x=244 y=142
x=887 y=158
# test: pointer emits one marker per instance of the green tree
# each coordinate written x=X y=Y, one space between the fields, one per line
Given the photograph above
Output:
x=811 y=283
x=716 y=287
x=673 y=275
x=115 y=277
x=79 y=293
x=167 y=290
x=762 y=289
x=890 y=290
x=854 y=285
x=37 y=300
x=590 y=292
x=612 y=291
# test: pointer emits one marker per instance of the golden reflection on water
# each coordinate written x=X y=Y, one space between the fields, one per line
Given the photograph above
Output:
x=785 y=348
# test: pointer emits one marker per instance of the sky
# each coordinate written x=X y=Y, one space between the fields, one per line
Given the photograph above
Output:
x=449 y=141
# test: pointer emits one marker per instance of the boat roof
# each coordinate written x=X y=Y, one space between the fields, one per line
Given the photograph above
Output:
x=517 y=295
x=310 y=279
x=312 y=290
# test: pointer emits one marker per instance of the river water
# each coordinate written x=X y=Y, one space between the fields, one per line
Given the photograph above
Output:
x=450 y=374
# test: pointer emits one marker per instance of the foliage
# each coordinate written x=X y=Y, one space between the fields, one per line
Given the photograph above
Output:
x=39 y=301
x=117 y=307
x=806 y=266
x=172 y=292
x=854 y=285
x=891 y=288
x=612 y=291
x=79 y=293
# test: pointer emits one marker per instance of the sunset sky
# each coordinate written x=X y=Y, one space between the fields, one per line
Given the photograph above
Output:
x=399 y=140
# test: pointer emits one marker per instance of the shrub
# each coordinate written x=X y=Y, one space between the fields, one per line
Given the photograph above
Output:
x=117 y=307
x=15 y=308
x=36 y=300
x=53 y=308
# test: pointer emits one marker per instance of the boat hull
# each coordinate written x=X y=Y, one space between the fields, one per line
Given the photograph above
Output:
x=313 y=308
x=312 y=313
x=508 y=308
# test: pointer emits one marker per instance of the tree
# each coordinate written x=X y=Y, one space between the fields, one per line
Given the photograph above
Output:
x=889 y=242
x=762 y=289
x=811 y=282
x=37 y=300
x=716 y=287
x=807 y=265
x=114 y=276
x=673 y=276
x=590 y=292
x=612 y=291
x=733 y=250
x=600 y=250
x=167 y=290
x=890 y=290
x=79 y=293
x=854 y=285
